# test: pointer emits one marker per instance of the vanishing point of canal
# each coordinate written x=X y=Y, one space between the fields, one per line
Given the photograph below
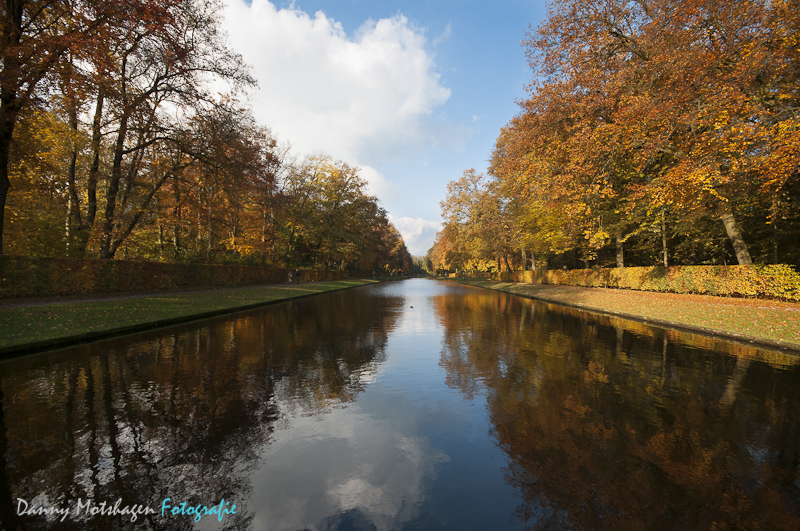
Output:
x=406 y=405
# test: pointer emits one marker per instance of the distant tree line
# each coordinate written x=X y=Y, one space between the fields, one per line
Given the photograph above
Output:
x=124 y=134
x=656 y=132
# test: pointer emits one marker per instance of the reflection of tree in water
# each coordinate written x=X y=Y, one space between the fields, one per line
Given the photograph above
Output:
x=179 y=415
x=609 y=429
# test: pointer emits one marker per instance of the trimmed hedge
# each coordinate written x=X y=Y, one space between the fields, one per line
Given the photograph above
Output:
x=768 y=281
x=30 y=276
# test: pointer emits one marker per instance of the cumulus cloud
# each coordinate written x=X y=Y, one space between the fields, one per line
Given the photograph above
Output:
x=362 y=98
x=377 y=185
x=417 y=233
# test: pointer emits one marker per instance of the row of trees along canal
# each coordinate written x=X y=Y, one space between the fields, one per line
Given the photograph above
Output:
x=655 y=132
x=115 y=141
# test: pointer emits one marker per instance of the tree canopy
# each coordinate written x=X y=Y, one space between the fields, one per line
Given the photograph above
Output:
x=655 y=132
x=125 y=133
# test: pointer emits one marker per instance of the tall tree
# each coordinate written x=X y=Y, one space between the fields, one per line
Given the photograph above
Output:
x=35 y=35
x=651 y=105
x=162 y=63
x=477 y=222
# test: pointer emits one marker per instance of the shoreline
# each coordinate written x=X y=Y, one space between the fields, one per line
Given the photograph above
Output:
x=773 y=324
x=33 y=326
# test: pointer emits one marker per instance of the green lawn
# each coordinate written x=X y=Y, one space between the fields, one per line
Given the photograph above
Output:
x=47 y=324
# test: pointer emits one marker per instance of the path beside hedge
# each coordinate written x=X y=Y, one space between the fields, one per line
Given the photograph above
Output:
x=772 y=323
x=30 y=325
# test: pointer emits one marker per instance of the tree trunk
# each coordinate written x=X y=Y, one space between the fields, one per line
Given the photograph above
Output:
x=113 y=190
x=6 y=133
x=199 y=235
x=10 y=104
x=664 y=237
x=742 y=254
x=73 y=202
x=94 y=170
x=505 y=259
x=176 y=227
x=68 y=224
x=85 y=228
x=524 y=261
x=775 y=240
x=210 y=230
x=775 y=229
x=272 y=235
x=620 y=250
x=264 y=217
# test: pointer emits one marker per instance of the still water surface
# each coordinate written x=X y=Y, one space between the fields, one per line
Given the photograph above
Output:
x=411 y=405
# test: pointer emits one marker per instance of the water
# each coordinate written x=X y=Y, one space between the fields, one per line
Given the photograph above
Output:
x=411 y=405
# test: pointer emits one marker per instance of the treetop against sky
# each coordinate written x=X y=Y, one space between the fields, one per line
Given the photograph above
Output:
x=412 y=93
x=133 y=120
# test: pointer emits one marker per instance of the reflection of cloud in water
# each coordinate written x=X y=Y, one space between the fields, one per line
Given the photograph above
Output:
x=416 y=320
x=344 y=468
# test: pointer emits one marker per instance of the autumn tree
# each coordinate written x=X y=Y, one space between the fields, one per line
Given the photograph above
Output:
x=534 y=170
x=223 y=196
x=446 y=254
x=656 y=110
x=147 y=70
x=160 y=65
x=478 y=223
x=34 y=37
x=36 y=211
x=131 y=144
x=329 y=220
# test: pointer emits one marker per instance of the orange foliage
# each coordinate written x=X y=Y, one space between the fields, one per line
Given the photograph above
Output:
x=642 y=110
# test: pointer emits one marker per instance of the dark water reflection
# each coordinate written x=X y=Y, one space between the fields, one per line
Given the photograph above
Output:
x=415 y=405
x=179 y=414
x=610 y=424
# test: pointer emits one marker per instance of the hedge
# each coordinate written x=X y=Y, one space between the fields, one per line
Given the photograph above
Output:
x=29 y=276
x=761 y=281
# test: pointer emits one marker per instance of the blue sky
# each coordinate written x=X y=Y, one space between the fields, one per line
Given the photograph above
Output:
x=412 y=92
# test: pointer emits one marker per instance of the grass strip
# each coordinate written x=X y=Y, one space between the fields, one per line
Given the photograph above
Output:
x=26 y=328
x=768 y=322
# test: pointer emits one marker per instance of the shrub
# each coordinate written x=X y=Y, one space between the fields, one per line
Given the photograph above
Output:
x=762 y=281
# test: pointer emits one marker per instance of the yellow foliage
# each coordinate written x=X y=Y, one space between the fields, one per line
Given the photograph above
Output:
x=768 y=281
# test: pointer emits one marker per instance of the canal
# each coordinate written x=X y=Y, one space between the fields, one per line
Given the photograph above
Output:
x=418 y=405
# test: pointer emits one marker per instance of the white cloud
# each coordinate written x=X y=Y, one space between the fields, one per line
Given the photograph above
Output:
x=362 y=98
x=445 y=35
x=377 y=185
x=417 y=233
